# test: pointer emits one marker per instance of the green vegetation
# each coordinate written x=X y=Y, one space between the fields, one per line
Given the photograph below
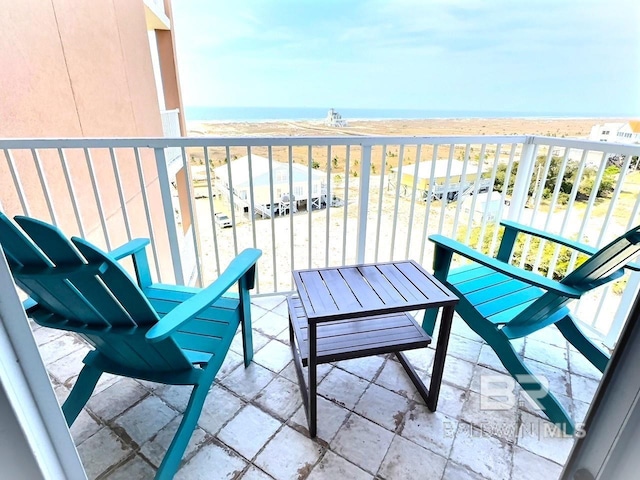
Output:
x=568 y=178
x=531 y=255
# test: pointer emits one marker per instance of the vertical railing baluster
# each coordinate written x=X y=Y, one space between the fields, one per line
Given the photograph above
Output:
x=380 y=199
x=167 y=207
x=212 y=211
x=45 y=186
x=15 y=176
x=488 y=204
x=396 y=204
x=232 y=205
x=414 y=188
x=345 y=205
x=72 y=192
x=363 y=205
x=309 y=211
x=272 y=222
x=328 y=202
x=503 y=196
x=252 y=209
x=459 y=194
x=193 y=213
x=444 y=201
x=121 y=197
x=520 y=192
x=98 y=197
x=427 y=210
x=476 y=189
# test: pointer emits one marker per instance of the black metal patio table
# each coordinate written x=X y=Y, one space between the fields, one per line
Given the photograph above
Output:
x=355 y=311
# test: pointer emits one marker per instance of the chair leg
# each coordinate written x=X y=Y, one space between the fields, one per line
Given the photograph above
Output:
x=247 y=335
x=171 y=461
x=527 y=380
x=572 y=333
x=80 y=393
x=429 y=320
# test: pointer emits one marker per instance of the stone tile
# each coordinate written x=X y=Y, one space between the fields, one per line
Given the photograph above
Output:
x=101 y=452
x=219 y=407
x=281 y=398
x=579 y=365
x=383 y=407
x=342 y=387
x=254 y=473
x=43 y=335
x=156 y=448
x=116 y=398
x=394 y=378
x=362 y=442
x=231 y=362
x=83 y=427
x=579 y=411
x=451 y=400
x=330 y=417
x=550 y=335
x=134 y=469
x=248 y=431
x=282 y=309
x=404 y=459
x=491 y=380
x=583 y=388
x=481 y=453
x=489 y=359
x=453 y=471
x=270 y=302
x=247 y=382
x=464 y=348
x=212 y=462
x=62 y=346
x=457 y=372
x=543 y=438
x=274 y=356
x=434 y=431
x=146 y=419
x=65 y=369
x=557 y=378
x=460 y=327
x=492 y=417
x=176 y=396
x=366 y=368
x=527 y=404
x=333 y=467
x=546 y=353
x=259 y=340
x=271 y=324
x=528 y=466
x=283 y=337
x=107 y=379
x=289 y=455
x=420 y=358
x=289 y=372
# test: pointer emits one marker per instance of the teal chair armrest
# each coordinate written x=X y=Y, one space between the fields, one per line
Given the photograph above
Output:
x=130 y=248
x=504 y=268
x=243 y=265
x=136 y=249
x=519 y=228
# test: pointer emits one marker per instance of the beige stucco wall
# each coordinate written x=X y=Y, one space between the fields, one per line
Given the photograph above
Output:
x=80 y=69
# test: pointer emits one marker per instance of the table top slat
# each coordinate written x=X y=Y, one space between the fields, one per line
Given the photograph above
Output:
x=426 y=284
x=316 y=295
x=340 y=290
x=402 y=283
x=381 y=285
x=366 y=296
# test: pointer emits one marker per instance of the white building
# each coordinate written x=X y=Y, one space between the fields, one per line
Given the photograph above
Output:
x=616 y=132
x=267 y=196
x=334 y=119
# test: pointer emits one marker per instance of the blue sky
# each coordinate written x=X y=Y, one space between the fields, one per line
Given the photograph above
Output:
x=561 y=56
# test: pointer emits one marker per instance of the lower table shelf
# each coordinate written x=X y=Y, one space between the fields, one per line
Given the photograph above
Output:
x=358 y=337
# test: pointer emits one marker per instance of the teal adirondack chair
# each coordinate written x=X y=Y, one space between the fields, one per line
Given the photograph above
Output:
x=160 y=333
x=501 y=302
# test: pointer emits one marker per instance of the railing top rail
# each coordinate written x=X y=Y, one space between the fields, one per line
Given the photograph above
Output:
x=163 y=142
x=371 y=140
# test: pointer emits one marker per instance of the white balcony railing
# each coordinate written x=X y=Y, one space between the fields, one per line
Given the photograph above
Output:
x=370 y=210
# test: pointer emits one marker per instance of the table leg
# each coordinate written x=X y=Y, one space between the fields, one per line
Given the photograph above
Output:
x=441 y=353
x=312 y=365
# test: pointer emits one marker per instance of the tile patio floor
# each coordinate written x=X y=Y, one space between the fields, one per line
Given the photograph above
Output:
x=371 y=424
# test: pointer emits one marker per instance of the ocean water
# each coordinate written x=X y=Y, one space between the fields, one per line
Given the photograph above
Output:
x=252 y=114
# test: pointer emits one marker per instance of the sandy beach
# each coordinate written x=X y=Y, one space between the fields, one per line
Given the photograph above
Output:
x=567 y=127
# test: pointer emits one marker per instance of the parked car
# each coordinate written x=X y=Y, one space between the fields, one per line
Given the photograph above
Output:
x=223 y=220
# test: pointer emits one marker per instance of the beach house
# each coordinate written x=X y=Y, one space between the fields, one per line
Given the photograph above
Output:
x=271 y=187
x=452 y=179
x=616 y=132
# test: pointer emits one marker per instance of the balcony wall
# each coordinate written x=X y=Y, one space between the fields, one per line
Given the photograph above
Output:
x=372 y=216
